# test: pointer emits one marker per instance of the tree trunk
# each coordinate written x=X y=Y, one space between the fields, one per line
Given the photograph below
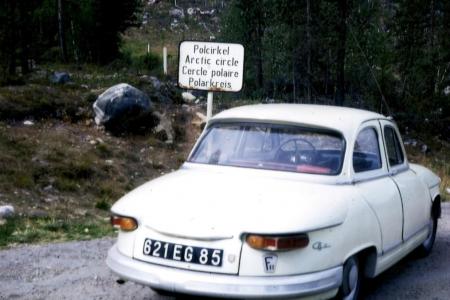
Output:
x=62 y=42
x=11 y=40
x=342 y=38
x=308 y=51
x=259 y=54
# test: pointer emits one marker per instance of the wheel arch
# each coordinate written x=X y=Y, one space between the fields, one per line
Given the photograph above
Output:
x=368 y=258
x=436 y=210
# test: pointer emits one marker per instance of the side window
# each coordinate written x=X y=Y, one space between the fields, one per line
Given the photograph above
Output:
x=394 y=150
x=366 y=153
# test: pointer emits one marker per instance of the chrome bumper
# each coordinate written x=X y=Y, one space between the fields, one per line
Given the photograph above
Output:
x=220 y=285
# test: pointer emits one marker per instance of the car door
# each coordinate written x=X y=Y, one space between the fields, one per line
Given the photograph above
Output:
x=372 y=180
x=416 y=207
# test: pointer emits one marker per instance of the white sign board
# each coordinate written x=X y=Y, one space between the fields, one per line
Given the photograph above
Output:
x=211 y=66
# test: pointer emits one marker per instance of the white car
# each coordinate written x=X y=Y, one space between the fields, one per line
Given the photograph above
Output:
x=279 y=200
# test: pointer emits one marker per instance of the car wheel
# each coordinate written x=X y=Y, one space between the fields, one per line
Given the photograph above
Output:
x=425 y=248
x=163 y=292
x=351 y=280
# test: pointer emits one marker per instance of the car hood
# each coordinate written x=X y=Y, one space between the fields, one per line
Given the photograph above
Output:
x=217 y=204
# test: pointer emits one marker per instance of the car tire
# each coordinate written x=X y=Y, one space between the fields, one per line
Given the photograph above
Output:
x=427 y=246
x=352 y=276
x=163 y=292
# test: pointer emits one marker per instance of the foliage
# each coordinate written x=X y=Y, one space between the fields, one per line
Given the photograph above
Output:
x=69 y=30
x=311 y=51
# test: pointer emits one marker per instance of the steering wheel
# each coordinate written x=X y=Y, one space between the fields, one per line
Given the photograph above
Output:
x=295 y=155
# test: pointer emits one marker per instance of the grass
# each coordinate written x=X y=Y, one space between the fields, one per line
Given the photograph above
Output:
x=62 y=184
x=437 y=160
x=22 y=230
x=59 y=178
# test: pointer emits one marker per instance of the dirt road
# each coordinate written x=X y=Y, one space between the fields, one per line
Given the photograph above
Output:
x=76 y=270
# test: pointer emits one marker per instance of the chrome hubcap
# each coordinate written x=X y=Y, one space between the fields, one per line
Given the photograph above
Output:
x=353 y=277
x=427 y=242
x=352 y=280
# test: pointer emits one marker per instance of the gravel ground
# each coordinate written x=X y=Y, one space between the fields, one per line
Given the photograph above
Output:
x=76 y=270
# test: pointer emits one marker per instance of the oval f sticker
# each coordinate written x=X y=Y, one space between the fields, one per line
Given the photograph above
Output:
x=270 y=263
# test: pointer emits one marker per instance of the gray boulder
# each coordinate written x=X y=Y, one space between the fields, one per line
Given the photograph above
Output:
x=60 y=77
x=188 y=97
x=6 y=211
x=164 y=131
x=124 y=108
x=152 y=80
x=176 y=13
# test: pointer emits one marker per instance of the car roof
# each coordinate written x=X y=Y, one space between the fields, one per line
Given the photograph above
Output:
x=343 y=119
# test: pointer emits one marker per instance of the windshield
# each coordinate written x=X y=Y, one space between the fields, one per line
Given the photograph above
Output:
x=272 y=147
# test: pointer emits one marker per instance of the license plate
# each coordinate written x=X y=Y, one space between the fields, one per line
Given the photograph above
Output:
x=183 y=253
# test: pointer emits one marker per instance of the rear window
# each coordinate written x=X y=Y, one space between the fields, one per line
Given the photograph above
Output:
x=271 y=147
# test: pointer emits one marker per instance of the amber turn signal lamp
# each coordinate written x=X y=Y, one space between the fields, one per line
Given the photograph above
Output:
x=277 y=243
x=123 y=223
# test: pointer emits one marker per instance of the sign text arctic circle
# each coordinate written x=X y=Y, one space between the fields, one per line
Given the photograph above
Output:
x=211 y=66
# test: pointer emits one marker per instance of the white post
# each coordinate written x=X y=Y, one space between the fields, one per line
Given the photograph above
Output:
x=165 y=60
x=148 y=48
x=209 y=106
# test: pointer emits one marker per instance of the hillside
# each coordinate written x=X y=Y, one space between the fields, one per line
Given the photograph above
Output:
x=61 y=172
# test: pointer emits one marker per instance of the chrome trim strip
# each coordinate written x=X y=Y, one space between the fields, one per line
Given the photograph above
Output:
x=371 y=178
x=397 y=170
x=391 y=248
x=216 y=237
x=416 y=232
x=221 y=285
x=396 y=246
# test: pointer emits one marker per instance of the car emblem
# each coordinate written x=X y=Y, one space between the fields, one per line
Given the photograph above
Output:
x=319 y=246
x=270 y=263
x=231 y=258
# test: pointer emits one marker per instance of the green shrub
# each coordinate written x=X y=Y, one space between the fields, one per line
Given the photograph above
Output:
x=102 y=204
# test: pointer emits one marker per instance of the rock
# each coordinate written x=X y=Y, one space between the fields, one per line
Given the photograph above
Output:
x=410 y=142
x=28 y=123
x=424 y=149
x=447 y=90
x=207 y=12
x=176 y=13
x=123 y=108
x=109 y=162
x=164 y=131
x=185 y=108
x=48 y=188
x=6 y=211
x=188 y=97
x=154 y=81
x=200 y=120
x=190 y=11
x=50 y=199
x=201 y=116
x=59 y=77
